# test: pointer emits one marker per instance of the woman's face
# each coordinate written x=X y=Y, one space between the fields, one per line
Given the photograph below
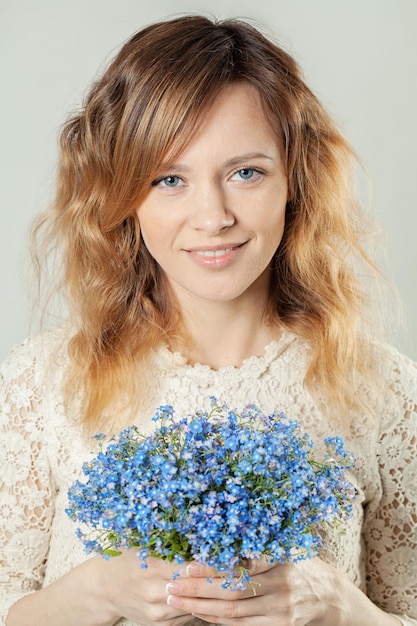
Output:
x=214 y=218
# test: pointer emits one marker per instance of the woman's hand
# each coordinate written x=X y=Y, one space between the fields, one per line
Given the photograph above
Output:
x=139 y=594
x=308 y=592
x=291 y=595
x=99 y=592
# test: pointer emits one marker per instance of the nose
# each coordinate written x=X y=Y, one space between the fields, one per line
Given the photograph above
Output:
x=210 y=212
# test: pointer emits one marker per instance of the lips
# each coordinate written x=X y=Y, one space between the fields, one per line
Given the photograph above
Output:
x=214 y=251
x=215 y=257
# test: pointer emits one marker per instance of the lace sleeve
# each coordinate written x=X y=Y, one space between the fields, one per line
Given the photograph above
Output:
x=391 y=528
x=26 y=500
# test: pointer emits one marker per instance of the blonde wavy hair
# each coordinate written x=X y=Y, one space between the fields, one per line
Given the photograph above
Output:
x=147 y=104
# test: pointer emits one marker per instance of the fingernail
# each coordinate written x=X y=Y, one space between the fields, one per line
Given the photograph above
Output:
x=174 y=601
x=194 y=569
x=172 y=588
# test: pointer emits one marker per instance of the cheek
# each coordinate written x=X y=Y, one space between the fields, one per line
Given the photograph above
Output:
x=274 y=229
x=159 y=238
x=151 y=237
x=150 y=226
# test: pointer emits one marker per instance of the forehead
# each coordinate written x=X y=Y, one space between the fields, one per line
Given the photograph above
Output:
x=234 y=121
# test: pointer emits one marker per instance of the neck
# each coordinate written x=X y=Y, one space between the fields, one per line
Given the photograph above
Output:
x=223 y=334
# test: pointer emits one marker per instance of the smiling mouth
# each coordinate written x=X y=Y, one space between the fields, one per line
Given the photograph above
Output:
x=212 y=253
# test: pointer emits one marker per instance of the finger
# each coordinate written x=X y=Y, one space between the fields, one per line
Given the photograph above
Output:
x=201 y=571
x=211 y=619
x=239 y=581
x=259 y=565
x=251 y=566
x=217 y=587
x=223 y=609
x=201 y=588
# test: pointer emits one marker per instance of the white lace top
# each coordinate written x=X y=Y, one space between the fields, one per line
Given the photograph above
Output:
x=42 y=451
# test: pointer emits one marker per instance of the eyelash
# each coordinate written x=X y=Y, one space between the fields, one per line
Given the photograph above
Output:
x=156 y=182
x=257 y=170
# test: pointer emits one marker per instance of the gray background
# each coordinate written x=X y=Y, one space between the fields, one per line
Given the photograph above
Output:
x=359 y=56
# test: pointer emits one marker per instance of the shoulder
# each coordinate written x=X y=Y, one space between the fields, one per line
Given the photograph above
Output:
x=401 y=368
x=30 y=386
x=397 y=369
x=38 y=354
x=397 y=386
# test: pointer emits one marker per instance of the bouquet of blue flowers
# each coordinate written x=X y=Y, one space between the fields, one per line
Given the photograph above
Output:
x=218 y=487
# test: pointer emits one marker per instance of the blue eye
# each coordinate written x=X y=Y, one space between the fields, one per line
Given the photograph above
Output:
x=167 y=181
x=246 y=173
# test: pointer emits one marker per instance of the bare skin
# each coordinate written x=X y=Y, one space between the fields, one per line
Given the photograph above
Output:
x=100 y=592
x=307 y=593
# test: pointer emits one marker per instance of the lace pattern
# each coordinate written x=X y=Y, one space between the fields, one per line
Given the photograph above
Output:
x=43 y=450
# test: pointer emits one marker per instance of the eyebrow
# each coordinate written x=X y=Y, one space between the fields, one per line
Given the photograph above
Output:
x=247 y=157
x=237 y=160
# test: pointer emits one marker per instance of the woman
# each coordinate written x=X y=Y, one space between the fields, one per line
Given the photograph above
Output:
x=208 y=238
